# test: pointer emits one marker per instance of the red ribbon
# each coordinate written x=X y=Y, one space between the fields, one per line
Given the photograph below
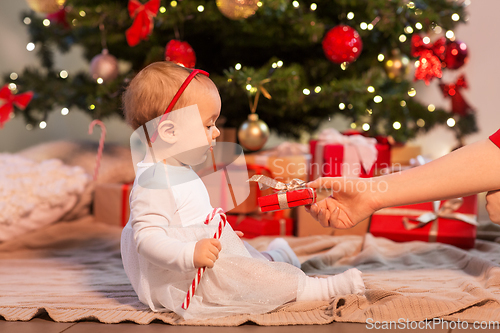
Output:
x=143 y=20
x=125 y=206
x=21 y=101
x=431 y=56
x=458 y=103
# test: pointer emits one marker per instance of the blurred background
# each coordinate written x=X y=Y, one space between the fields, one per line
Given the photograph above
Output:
x=475 y=28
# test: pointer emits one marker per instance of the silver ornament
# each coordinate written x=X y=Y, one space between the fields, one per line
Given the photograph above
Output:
x=104 y=66
x=253 y=133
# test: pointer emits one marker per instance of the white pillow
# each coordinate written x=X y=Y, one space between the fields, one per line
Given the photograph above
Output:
x=34 y=194
x=116 y=166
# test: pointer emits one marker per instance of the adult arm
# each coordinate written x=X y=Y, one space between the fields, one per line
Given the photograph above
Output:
x=470 y=169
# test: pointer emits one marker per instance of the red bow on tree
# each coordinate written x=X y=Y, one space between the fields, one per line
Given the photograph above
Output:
x=143 y=20
x=458 y=103
x=430 y=59
x=20 y=100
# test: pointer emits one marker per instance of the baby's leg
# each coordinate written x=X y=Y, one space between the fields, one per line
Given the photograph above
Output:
x=279 y=250
x=323 y=289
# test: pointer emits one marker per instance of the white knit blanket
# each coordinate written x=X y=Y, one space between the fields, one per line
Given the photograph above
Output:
x=33 y=194
x=73 y=271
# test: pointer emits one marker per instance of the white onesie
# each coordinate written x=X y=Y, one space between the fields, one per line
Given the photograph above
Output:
x=168 y=208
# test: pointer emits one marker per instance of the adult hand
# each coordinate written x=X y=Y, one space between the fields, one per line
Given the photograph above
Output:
x=351 y=201
x=493 y=205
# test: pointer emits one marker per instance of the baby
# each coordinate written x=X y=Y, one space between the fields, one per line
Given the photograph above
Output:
x=166 y=238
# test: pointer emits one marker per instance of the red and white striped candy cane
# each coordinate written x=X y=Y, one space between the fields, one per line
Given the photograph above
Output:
x=101 y=144
x=201 y=270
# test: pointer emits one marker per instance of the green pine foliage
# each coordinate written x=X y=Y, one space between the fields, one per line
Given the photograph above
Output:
x=278 y=31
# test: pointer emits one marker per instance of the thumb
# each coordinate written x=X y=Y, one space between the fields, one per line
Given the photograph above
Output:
x=315 y=184
x=325 y=182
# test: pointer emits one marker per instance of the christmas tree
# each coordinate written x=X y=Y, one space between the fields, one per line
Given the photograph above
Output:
x=307 y=61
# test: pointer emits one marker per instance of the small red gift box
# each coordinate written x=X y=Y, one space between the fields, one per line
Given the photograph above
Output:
x=285 y=200
x=292 y=194
x=261 y=225
x=452 y=223
x=330 y=161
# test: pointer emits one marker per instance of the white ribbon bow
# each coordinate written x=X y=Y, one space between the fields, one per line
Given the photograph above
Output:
x=447 y=211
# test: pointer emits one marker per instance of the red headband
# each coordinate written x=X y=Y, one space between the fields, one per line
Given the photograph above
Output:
x=177 y=96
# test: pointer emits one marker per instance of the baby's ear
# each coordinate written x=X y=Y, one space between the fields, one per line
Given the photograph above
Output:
x=166 y=131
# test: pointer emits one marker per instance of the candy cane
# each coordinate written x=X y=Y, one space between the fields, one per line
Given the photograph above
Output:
x=201 y=270
x=101 y=144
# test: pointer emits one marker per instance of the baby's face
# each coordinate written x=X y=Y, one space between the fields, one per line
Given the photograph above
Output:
x=208 y=103
x=209 y=106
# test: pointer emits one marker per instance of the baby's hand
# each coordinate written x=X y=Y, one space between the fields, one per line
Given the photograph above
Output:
x=206 y=252
x=493 y=206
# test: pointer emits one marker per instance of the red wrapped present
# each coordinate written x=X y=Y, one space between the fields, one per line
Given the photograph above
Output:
x=336 y=155
x=285 y=200
x=450 y=222
x=262 y=225
x=111 y=203
x=293 y=194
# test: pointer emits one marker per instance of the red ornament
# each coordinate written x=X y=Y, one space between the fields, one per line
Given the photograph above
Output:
x=342 y=44
x=458 y=103
x=59 y=17
x=181 y=53
x=143 y=20
x=430 y=59
x=429 y=67
x=456 y=54
x=20 y=100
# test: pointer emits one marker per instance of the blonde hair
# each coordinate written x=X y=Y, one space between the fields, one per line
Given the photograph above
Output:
x=151 y=90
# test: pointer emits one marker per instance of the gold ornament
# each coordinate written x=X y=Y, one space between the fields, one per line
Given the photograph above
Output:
x=104 y=66
x=253 y=133
x=397 y=66
x=237 y=9
x=46 y=6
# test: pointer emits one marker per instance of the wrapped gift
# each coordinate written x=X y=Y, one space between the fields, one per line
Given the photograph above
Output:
x=111 y=203
x=451 y=222
x=287 y=161
x=293 y=194
x=286 y=200
x=262 y=224
x=336 y=155
x=403 y=154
